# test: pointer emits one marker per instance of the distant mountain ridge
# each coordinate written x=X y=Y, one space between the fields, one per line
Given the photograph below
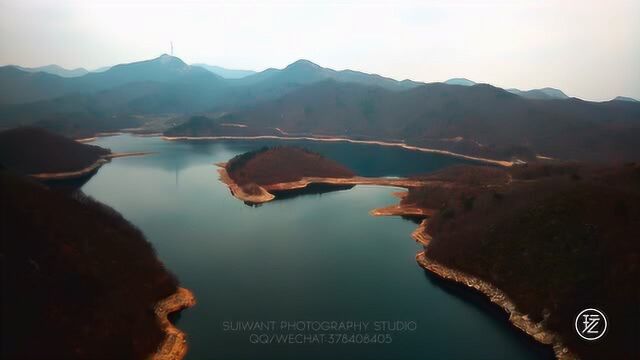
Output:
x=226 y=73
x=18 y=86
x=625 y=98
x=480 y=120
x=55 y=70
x=165 y=68
x=476 y=119
x=460 y=81
x=540 y=94
x=304 y=72
x=546 y=93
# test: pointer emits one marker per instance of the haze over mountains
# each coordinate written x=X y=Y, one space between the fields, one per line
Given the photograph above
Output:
x=624 y=98
x=546 y=93
x=56 y=70
x=226 y=73
x=305 y=98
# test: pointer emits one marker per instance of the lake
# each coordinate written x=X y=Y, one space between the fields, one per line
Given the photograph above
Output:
x=316 y=259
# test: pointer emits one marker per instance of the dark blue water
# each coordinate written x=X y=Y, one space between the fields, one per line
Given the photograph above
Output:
x=319 y=258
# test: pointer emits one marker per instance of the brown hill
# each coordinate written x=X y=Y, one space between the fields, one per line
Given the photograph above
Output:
x=282 y=164
x=78 y=280
x=29 y=150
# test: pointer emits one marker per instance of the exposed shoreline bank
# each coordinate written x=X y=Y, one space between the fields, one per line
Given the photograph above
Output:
x=174 y=346
x=495 y=295
x=66 y=175
x=502 y=163
x=264 y=192
x=116 y=133
x=236 y=190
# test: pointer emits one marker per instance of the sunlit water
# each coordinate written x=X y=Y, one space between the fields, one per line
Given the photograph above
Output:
x=312 y=257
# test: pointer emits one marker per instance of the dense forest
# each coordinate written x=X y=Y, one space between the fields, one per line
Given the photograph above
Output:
x=78 y=280
x=556 y=239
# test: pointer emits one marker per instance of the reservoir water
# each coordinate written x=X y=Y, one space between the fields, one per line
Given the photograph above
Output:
x=318 y=258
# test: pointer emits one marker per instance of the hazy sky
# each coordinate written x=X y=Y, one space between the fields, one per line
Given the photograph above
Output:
x=589 y=49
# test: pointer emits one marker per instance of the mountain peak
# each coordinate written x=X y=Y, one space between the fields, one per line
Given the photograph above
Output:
x=303 y=64
x=625 y=98
x=169 y=59
x=460 y=81
x=554 y=93
x=540 y=94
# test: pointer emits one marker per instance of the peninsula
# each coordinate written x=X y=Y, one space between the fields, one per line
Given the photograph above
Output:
x=255 y=176
x=48 y=156
x=251 y=176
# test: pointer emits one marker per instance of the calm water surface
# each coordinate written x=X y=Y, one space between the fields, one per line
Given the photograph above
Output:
x=312 y=257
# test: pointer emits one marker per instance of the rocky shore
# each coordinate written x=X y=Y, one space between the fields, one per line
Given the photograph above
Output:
x=174 y=345
x=262 y=194
x=260 y=197
x=495 y=295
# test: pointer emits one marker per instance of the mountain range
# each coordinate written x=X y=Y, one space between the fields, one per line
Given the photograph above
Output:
x=305 y=98
x=55 y=70
x=226 y=73
x=479 y=120
x=624 y=98
x=546 y=93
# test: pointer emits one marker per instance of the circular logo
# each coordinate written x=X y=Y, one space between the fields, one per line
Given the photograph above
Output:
x=591 y=324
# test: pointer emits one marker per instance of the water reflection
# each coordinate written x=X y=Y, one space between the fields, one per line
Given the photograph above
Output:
x=307 y=258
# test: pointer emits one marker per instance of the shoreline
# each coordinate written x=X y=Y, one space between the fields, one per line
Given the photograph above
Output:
x=66 y=175
x=502 y=163
x=108 y=134
x=174 y=346
x=265 y=191
x=499 y=298
x=236 y=190
x=519 y=320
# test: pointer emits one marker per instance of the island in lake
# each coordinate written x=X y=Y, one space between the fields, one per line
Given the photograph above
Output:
x=519 y=235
